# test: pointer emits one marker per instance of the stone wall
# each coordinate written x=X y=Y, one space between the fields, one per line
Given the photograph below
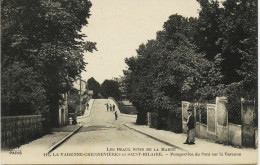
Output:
x=219 y=130
x=201 y=130
x=234 y=135
x=17 y=130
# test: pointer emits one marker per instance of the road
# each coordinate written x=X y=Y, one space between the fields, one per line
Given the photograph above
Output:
x=102 y=133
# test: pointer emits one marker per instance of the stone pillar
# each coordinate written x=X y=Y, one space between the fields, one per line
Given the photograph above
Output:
x=222 y=120
x=211 y=122
x=248 y=122
x=149 y=122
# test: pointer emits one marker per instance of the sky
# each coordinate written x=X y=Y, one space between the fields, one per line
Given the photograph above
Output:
x=120 y=26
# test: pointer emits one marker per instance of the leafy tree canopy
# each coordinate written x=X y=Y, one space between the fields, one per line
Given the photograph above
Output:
x=110 y=88
x=45 y=36
x=95 y=86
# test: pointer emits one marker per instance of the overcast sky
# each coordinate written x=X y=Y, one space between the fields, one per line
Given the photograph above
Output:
x=120 y=26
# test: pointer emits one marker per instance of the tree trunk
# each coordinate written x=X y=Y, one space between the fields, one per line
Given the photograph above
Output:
x=141 y=117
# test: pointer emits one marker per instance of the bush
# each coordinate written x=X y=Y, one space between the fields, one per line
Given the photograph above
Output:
x=234 y=94
x=203 y=111
x=175 y=120
x=22 y=92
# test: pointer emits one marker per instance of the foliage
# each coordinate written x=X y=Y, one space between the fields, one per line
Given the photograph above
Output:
x=203 y=112
x=207 y=30
x=235 y=36
x=22 y=91
x=197 y=59
x=175 y=120
x=45 y=36
x=239 y=42
x=168 y=70
x=234 y=92
x=95 y=86
x=110 y=88
x=73 y=100
x=232 y=32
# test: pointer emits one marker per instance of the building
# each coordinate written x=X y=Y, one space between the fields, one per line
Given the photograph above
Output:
x=80 y=85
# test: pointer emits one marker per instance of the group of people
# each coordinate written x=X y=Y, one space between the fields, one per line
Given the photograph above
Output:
x=112 y=108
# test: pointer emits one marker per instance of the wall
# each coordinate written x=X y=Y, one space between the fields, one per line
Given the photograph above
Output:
x=248 y=122
x=17 y=130
x=201 y=130
x=234 y=133
x=126 y=107
x=219 y=130
x=152 y=119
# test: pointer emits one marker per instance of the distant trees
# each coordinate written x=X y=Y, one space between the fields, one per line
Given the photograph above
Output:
x=110 y=88
x=43 y=39
x=197 y=59
x=95 y=86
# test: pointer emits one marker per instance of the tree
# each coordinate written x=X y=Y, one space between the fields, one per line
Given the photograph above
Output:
x=239 y=42
x=95 y=86
x=232 y=32
x=207 y=30
x=45 y=36
x=110 y=88
x=168 y=70
x=22 y=92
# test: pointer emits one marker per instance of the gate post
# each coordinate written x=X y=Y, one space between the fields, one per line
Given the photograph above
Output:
x=222 y=120
x=248 y=119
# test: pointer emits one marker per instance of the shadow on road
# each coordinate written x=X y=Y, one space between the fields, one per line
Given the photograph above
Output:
x=95 y=128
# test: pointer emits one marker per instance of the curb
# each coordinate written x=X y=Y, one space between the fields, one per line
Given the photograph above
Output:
x=90 y=109
x=155 y=138
x=62 y=140
x=126 y=115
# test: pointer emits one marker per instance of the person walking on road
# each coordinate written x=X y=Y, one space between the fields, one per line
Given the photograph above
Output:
x=110 y=107
x=87 y=106
x=107 y=106
x=116 y=115
x=191 y=128
x=114 y=107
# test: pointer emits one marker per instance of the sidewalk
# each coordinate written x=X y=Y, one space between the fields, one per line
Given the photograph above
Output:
x=87 y=111
x=202 y=146
x=47 y=142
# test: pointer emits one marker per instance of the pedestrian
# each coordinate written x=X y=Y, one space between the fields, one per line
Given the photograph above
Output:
x=116 y=115
x=107 y=106
x=191 y=128
x=110 y=107
x=114 y=107
x=87 y=106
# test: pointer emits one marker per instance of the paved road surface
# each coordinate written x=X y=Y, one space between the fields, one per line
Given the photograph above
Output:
x=101 y=131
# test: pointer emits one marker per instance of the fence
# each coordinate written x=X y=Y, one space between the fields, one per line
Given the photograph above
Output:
x=218 y=128
x=171 y=120
x=16 y=130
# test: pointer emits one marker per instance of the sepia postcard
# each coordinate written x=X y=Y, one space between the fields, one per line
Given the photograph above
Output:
x=129 y=82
